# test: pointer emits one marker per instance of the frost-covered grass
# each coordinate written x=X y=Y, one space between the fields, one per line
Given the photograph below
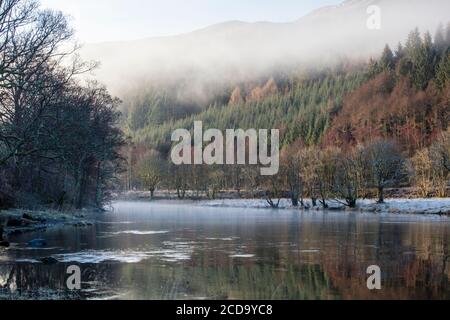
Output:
x=413 y=206
x=417 y=206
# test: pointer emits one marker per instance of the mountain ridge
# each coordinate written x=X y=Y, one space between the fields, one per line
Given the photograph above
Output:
x=237 y=50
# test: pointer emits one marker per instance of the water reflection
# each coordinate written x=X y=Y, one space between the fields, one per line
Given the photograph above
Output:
x=158 y=251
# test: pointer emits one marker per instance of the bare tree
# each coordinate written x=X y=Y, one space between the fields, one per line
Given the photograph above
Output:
x=179 y=179
x=384 y=165
x=291 y=171
x=31 y=72
x=348 y=183
x=54 y=132
x=252 y=178
x=326 y=171
x=441 y=150
x=215 y=181
x=310 y=162
x=439 y=154
x=422 y=176
x=14 y=16
x=273 y=191
x=151 y=171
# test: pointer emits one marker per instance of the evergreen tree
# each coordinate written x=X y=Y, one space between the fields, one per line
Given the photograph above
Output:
x=404 y=67
x=423 y=59
x=387 y=61
x=413 y=43
x=373 y=69
x=400 y=52
x=447 y=35
x=439 y=39
x=443 y=71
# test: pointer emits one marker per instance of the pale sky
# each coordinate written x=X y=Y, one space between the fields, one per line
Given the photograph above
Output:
x=115 y=20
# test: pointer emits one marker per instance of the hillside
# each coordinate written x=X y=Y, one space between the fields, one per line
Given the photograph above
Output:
x=206 y=60
x=399 y=102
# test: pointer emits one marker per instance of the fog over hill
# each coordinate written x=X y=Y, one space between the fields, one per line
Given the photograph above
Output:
x=238 y=51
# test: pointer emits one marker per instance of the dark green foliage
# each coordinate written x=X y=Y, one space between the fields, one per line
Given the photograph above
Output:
x=394 y=97
x=443 y=71
x=302 y=111
x=153 y=108
x=387 y=61
x=422 y=54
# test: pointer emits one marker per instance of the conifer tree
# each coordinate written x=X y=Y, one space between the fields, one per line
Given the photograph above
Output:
x=387 y=61
x=443 y=71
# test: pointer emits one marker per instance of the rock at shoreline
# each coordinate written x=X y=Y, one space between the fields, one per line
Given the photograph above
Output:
x=82 y=224
x=4 y=244
x=28 y=217
x=49 y=261
x=13 y=223
x=37 y=243
x=19 y=222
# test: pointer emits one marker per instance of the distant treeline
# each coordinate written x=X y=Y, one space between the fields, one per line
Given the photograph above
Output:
x=347 y=132
x=59 y=140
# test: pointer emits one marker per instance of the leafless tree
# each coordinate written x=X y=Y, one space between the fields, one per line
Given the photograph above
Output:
x=31 y=72
x=348 y=181
x=384 y=165
x=151 y=171
x=291 y=172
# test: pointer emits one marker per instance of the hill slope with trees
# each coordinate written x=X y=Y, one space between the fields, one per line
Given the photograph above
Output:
x=347 y=132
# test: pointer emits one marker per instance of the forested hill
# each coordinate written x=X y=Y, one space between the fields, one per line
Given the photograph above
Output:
x=346 y=132
x=300 y=108
x=404 y=95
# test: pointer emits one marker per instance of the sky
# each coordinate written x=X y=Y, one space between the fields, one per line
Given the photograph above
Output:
x=120 y=20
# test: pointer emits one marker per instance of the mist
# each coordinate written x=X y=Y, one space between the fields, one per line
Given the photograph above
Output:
x=201 y=63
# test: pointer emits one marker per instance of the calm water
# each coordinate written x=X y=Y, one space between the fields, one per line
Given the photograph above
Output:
x=180 y=251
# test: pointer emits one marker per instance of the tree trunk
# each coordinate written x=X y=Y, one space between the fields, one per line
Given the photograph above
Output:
x=1 y=233
x=79 y=204
x=324 y=203
x=351 y=203
x=295 y=194
x=152 y=193
x=380 y=195
x=79 y=183
x=302 y=203
x=272 y=204
x=98 y=188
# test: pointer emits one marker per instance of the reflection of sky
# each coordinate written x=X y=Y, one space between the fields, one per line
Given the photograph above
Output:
x=239 y=253
x=107 y=20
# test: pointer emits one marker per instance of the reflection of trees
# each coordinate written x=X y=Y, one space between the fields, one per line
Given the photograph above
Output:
x=414 y=260
x=35 y=281
x=411 y=259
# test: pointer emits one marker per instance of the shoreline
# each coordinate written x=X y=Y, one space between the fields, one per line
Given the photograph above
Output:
x=434 y=206
x=20 y=221
x=420 y=206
